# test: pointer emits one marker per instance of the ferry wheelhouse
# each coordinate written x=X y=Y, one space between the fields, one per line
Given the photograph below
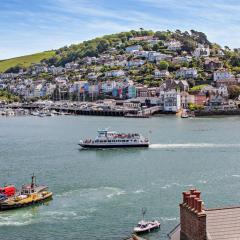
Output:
x=109 y=139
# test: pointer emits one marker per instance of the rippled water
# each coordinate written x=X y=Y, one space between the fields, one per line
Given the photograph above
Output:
x=98 y=194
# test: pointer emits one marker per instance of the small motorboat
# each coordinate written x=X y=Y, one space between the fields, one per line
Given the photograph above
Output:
x=184 y=114
x=146 y=226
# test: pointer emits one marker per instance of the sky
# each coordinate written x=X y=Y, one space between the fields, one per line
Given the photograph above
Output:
x=31 y=26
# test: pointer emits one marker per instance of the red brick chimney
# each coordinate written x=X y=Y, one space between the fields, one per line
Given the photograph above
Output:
x=192 y=217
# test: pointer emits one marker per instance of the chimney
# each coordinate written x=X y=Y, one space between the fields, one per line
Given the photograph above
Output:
x=192 y=217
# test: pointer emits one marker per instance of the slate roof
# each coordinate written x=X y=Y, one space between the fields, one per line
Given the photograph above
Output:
x=223 y=223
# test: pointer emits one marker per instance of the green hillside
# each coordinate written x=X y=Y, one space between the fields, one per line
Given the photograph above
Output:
x=25 y=61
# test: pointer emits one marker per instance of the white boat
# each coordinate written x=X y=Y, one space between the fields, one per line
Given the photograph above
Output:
x=108 y=139
x=146 y=226
x=184 y=114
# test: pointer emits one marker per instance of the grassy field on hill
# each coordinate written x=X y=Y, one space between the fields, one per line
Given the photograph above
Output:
x=26 y=61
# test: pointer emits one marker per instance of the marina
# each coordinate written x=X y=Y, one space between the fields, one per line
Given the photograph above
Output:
x=109 y=187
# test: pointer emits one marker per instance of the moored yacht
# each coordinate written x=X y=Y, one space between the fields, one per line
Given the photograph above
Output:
x=109 y=139
x=146 y=226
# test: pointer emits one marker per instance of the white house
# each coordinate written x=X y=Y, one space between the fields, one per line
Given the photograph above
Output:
x=173 y=45
x=115 y=73
x=161 y=74
x=222 y=74
x=187 y=72
x=171 y=101
x=133 y=48
x=157 y=56
x=136 y=63
x=201 y=51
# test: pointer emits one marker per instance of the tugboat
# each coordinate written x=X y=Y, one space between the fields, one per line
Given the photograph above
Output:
x=29 y=195
x=146 y=226
x=107 y=139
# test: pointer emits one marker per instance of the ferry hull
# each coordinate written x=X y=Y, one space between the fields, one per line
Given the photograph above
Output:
x=4 y=207
x=145 y=145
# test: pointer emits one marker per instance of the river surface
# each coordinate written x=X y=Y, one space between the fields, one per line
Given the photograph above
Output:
x=98 y=194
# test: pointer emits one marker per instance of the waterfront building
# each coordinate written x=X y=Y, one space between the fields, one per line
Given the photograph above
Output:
x=131 y=91
x=132 y=104
x=200 y=99
x=200 y=223
x=186 y=99
x=172 y=101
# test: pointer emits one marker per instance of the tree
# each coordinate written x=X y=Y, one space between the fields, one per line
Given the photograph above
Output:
x=234 y=91
x=163 y=65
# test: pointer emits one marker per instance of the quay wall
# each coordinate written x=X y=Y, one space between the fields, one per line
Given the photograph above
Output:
x=199 y=113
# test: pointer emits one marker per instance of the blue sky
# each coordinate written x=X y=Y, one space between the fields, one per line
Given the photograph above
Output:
x=29 y=26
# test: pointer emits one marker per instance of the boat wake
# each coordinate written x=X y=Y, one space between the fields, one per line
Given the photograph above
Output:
x=193 y=145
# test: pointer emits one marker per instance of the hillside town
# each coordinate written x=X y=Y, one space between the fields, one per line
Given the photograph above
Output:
x=149 y=71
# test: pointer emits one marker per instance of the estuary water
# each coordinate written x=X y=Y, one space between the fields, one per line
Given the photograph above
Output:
x=98 y=194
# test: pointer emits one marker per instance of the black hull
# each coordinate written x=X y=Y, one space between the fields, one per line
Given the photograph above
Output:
x=115 y=146
x=7 y=207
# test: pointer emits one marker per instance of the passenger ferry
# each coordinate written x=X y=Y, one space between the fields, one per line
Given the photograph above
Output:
x=108 y=139
x=30 y=194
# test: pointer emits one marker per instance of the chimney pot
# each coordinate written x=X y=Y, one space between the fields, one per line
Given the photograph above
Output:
x=197 y=193
x=196 y=203
x=192 y=197
x=192 y=191
x=199 y=206
x=188 y=201
x=185 y=194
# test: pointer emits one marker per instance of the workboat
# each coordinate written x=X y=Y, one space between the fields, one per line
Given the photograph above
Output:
x=108 y=139
x=146 y=226
x=29 y=194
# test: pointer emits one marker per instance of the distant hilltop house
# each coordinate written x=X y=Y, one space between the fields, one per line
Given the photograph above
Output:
x=142 y=38
x=115 y=73
x=161 y=73
x=212 y=64
x=187 y=73
x=223 y=76
x=133 y=48
x=157 y=56
x=199 y=223
x=173 y=45
x=181 y=85
x=181 y=59
x=136 y=63
x=201 y=51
